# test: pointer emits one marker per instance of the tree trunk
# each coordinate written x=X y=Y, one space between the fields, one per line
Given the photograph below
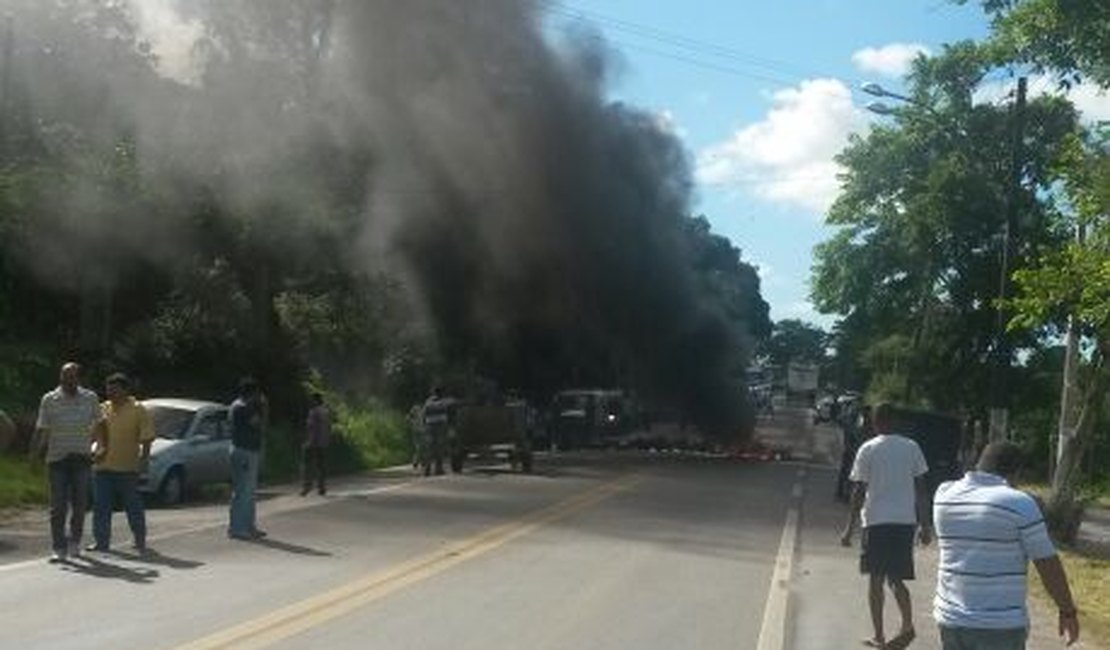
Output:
x=1063 y=512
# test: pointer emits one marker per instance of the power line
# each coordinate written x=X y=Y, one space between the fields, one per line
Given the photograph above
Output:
x=693 y=45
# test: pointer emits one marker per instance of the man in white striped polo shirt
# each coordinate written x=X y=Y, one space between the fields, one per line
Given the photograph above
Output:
x=988 y=532
x=66 y=418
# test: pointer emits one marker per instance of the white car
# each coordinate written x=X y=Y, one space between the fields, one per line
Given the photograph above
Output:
x=191 y=448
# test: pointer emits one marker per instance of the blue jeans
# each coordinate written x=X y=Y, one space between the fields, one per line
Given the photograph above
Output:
x=244 y=480
x=69 y=499
x=107 y=487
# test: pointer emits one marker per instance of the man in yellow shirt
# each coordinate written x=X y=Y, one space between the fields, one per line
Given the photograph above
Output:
x=122 y=438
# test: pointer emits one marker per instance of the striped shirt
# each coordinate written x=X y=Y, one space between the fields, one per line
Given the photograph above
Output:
x=67 y=421
x=987 y=533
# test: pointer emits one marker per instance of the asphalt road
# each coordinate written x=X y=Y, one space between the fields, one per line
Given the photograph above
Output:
x=594 y=551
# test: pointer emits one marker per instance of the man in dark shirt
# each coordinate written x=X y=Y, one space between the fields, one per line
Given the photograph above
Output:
x=248 y=417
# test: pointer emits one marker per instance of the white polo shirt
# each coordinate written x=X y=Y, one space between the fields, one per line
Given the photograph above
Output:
x=888 y=464
x=987 y=533
x=68 y=421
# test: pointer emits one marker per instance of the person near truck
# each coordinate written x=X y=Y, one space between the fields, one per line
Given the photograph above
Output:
x=314 y=451
x=988 y=532
x=436 y=417
x=890 y=499
x=67 y=415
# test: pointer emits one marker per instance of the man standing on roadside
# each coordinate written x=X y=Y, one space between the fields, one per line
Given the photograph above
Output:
x=65 y=423
x=889 y=491
x=988 y=532
x=123 y=437
x=315 y=449
x=248 y=417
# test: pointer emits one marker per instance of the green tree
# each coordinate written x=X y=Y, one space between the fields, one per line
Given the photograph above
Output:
x=1070 y=38
x=917 y=251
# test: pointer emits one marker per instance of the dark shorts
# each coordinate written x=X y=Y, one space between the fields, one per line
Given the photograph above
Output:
x=887 y=550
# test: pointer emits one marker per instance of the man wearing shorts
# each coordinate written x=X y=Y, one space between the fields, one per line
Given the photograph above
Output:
x=889 y=498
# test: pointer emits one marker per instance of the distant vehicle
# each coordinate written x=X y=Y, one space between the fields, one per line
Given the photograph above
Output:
x=802 y=378
x=492 y=427
x=191 y=447
x=589 y=417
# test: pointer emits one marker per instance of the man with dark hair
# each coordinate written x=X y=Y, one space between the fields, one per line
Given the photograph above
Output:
x=314 y=451
x=64 y=428
x=122 y=437
x=247 y=416
x=988 y=532
x=889 y=496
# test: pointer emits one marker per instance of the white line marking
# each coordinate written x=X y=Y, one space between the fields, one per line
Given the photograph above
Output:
x=772 y=633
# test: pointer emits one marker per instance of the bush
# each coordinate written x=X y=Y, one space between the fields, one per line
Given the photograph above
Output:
x=20 y=483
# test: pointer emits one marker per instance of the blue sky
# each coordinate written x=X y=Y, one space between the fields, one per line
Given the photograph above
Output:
x=764 y=94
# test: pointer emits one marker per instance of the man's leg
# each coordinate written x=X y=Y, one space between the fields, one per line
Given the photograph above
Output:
x=322 y=470
x=875 y=600
x=79 y=503
x=905 y=608
x=59 y=484
x=104 y=494
x=237 y=522
x=136 y=509
x=251 y=484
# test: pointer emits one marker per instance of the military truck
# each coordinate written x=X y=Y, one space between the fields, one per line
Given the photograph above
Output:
x=489 y=427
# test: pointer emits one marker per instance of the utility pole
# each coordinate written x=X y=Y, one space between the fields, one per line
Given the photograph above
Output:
x=1000 y=369
x=1069 y=394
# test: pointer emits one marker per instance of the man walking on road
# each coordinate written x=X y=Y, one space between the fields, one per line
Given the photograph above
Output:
x=889 y=496
x=247 y=415
x=123 y=437
x=988 y=532
x=65 y=423
x=315 y=449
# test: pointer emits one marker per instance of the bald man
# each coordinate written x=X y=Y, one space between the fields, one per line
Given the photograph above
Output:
x=67 y=415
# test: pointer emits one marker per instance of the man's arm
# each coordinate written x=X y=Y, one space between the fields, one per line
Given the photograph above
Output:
x=855 y=505
x=1055 y=581
x=924 y=512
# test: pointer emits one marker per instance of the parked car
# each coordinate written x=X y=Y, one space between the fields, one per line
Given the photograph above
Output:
x=191 y=448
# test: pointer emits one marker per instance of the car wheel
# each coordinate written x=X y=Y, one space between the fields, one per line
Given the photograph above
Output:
x=172 y=490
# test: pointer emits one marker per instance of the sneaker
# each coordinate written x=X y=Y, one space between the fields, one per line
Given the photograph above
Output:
x=57 y=557
x=74 y=548
x=257 y=534
x=96 y=548
x=140 y=548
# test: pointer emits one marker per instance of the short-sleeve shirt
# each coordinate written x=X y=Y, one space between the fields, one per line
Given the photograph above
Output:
x=889 y=465
x=129 y=426
x=247 y=419
x=68 y=421
x=987 y=533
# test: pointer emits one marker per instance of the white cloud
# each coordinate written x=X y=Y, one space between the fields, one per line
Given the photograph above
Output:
x=788 y=156
x=1092 y=102
x=171 y=37
x=892 y=60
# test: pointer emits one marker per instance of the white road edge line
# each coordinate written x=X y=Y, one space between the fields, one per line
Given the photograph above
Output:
x=772 y=633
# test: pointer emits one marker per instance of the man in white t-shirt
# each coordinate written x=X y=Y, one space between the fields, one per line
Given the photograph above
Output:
x=890 y=499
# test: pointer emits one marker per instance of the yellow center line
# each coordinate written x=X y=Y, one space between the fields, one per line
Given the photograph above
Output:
x=312 y=612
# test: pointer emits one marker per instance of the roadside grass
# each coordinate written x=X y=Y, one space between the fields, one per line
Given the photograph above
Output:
x=1089 y=574
x=20 y=483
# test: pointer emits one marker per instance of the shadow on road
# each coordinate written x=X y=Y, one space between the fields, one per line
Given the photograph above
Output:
x=289 y=548
x=99 y=569
x=160 y=559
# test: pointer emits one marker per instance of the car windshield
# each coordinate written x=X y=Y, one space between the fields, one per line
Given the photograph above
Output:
x=171 y=423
